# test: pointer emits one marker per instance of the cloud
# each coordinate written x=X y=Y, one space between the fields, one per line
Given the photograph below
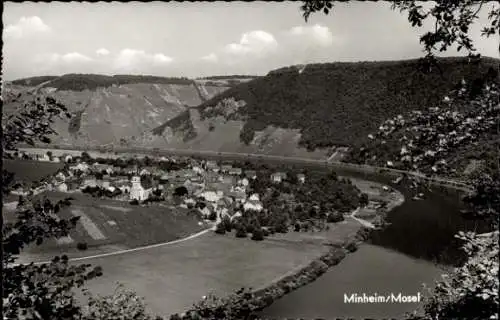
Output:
x=26 y=26
x=131 y=59
x=68 y=58
x=256 y=42
x=75 y=57
x=210 y=58
x=161 y=58
x=102 y=52
x=318 y=34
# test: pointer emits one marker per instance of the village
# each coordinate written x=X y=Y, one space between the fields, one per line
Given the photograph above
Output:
x=215 y=190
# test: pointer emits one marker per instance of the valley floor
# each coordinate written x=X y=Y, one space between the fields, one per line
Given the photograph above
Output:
x=172 y=278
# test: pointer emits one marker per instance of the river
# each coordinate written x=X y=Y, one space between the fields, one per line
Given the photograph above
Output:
x=414 y=249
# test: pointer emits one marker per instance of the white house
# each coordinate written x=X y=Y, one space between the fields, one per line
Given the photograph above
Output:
x=225 y=168
x=278 y=176
x=212 y=165
x=301 y=177
x=197 y=170
x=89 y=183
x=244 y=182
x=56 y=159
x=237 y=188
x=137 y=192
x=61 y=176
x=81 y=167
x=236 y=215
x=211 y=196
x=235 y=171
x=253 y=203
x=44 y=157
x=62 y=187
x=221 y=213
x=254 y=197
x=205 y=212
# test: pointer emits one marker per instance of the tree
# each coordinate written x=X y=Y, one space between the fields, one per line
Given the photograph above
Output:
x=241 y=232
x=363 y=200
x=220 y=228
x=121 y=302
x=452 y=21
x=86 y=157
x=180 y=191
x=44 y=291
x=258 y=234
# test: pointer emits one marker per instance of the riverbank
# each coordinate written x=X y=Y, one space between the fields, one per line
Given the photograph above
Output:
x=264 y=297
x=342 y=239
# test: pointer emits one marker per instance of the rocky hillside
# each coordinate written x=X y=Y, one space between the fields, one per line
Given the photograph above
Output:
x=107 y=109
x=295 y=110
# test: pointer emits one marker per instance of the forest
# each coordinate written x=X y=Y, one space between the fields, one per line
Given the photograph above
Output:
x=339 y=104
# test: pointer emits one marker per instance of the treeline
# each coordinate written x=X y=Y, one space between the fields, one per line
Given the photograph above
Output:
x=80 y=82
x=33 y=81
x=339 y=104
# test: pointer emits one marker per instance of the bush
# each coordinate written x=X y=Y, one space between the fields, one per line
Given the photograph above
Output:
x=226 y=223
x=351 y=246
x=250 y=228
x=335 y=217
x=281 y=228
x=220 y=228
x=134 y=202
x=82 y=246
x=212 y=216
x=258 y=235
x=296 y=228
x=241 y=233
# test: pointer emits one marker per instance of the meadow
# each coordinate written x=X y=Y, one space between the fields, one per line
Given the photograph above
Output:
x=109 y=225
x=30 y=170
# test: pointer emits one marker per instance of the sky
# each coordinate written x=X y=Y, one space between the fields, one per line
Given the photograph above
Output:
x=195 y=39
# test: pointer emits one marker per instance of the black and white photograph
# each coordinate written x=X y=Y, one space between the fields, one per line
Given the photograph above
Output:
x=250 y=160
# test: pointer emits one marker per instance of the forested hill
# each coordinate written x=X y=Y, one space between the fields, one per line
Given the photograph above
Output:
x=341 y=103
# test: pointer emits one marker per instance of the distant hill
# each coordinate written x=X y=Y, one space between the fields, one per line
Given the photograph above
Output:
x=297 y=109
x=108 y=109
x=33 y=81
x=303 y=111
x=230 y=77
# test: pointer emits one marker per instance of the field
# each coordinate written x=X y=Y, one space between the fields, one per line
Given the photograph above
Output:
x=108 y=225
x=172 y=278
x=28 y=170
